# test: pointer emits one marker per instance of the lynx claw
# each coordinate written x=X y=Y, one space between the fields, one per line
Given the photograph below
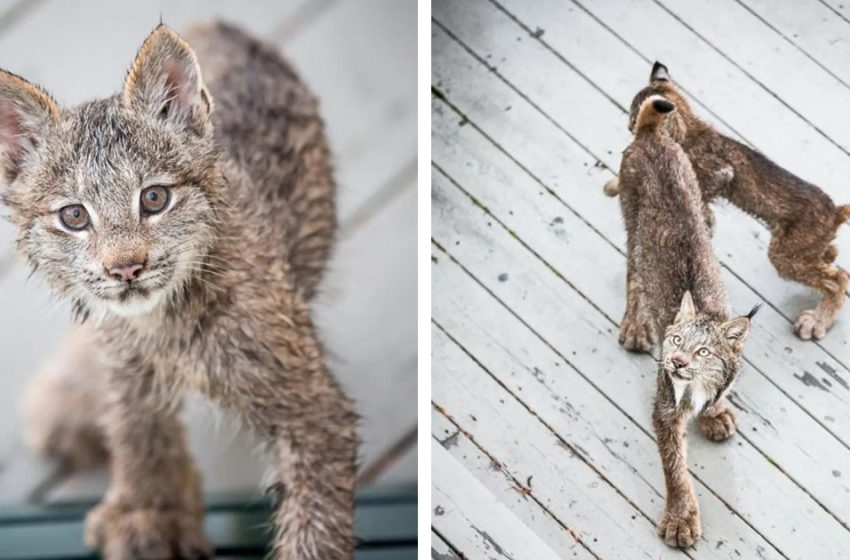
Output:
x=810 y=325
x=718 y=427
x=680 y=530
x=150 y=534
x=636 y=335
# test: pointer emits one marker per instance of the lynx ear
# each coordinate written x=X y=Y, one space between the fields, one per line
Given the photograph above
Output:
x=659 y=73
x=687 y=310
x=25 y=111
x=165 y=82
x=736 y=330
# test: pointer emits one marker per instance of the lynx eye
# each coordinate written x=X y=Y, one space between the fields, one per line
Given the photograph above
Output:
x=74 y=217
x=154 y=199
x=677 y=340
x=704 y=352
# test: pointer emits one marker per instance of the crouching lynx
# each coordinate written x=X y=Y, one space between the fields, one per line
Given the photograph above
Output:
x=671 y=264
x=188 y=220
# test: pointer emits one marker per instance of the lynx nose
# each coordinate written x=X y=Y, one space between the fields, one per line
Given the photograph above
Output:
x=679 y=361
x=125 y=272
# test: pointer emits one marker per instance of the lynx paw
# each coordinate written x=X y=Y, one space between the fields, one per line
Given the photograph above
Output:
x=718 y=427
x=680 y=528
x=810 y=324
x=636 y=335
x=612 y=187
x=151 y=534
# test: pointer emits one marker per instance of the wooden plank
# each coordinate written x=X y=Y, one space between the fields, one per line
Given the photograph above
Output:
x=550 y=155
x=475 y=531
x=769 y=60
x=440 y=550
x=749 y=260
x=498 y=478
x=811 y=26
x=583 y=322
x=586 y=338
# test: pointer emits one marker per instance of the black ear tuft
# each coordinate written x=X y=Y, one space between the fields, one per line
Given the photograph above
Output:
x=753 y=311
x=662 y=106
x=659 y=73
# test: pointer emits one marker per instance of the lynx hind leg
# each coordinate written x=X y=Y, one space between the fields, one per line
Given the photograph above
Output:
x=62 y=405
x=816 y=273
x=718 y=422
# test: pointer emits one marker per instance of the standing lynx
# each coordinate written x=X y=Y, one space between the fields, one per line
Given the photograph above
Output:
x=670 y=264
x=802 y=219
x=188 y=220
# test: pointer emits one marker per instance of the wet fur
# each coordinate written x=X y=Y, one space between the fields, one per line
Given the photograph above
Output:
x=801 y=218
x=256 y=218
x=671 y=265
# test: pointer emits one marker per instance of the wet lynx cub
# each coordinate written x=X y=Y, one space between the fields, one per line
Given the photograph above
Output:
x=802 y=219
x=670 y=267
x=188 y=219
x=700 y=359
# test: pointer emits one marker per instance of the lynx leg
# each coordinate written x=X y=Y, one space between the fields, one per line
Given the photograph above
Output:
x=829 y=280
x=63 y=404
x=718 y=422
x=288 y=395
x=153 y=508
x=680 y=526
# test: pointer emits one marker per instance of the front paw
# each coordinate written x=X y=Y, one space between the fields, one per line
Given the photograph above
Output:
x=122 y=533
x=810 y=324
x=720 y=426
x=680 y=527
x=636 y=334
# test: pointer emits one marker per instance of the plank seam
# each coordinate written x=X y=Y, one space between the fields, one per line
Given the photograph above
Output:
x=745 y=72
x=517 y=483
x=593 y=84
x=792 y=43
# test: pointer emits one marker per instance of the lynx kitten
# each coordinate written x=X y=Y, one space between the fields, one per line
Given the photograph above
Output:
x=188 y=219
x=671 y=264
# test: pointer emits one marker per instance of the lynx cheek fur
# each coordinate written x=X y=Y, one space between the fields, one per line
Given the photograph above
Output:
x=700 y=359
x=802 y=219
x=189 y=221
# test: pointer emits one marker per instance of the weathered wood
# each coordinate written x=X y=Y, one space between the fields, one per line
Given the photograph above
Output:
x=440 y=550
x=517 y=495
x=811 y=26
x=537 y=144
x=475 y=531
x=581 y=334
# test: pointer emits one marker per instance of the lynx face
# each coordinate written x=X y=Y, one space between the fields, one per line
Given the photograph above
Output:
x=114 y=199
x=700 y=355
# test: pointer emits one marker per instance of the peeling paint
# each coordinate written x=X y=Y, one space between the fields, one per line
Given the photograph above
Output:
x=810 y=380
x=833 y=374
x=490 y=543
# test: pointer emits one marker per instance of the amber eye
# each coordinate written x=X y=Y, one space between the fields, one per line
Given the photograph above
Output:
x=155 y=199
x=74 y=217
x=704 y=352
x=677 y=340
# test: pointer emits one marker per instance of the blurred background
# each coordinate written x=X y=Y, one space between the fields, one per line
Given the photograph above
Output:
x=360 y=58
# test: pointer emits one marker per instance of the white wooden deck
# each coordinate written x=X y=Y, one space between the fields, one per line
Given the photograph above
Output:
x=542 y=445
x=360 y=58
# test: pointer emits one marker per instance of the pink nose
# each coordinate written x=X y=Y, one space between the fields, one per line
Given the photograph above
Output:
x=679 y=361
x=126 y=272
